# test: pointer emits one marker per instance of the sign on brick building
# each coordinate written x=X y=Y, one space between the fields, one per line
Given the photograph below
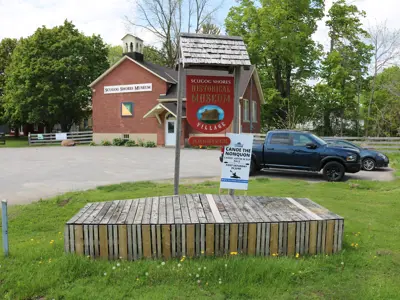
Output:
x=209 y=102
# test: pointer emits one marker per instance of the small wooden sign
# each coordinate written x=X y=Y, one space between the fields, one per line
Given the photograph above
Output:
x=209 y=141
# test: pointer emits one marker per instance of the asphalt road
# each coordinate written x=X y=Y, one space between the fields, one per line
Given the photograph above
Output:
x=30 y=174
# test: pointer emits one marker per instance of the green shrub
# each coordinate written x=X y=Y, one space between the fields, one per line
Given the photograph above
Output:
x=105 y=143
x=150 y=144
x=141 y=143
x=118 y=142
x=130 y=143
x=92 y=143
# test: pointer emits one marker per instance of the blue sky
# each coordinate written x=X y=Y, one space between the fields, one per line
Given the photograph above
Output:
x=20 y=18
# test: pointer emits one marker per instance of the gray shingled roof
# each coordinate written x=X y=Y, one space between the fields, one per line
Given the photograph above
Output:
x=213 y=50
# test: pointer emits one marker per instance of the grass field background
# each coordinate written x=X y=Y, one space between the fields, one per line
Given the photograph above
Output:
x=367 y=268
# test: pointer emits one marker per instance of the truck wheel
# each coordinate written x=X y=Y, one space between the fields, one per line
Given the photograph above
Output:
x=368 y=164
x=253 y=168
x=333 y=171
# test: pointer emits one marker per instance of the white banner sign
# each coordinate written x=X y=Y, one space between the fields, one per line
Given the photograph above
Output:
x=129 y=88
x=61 y=136
x=236 y=162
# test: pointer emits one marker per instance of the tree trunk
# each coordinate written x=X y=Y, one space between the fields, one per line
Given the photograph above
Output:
x=341 y=121
x=327 y=123
x=16 y=130
x=289 y=116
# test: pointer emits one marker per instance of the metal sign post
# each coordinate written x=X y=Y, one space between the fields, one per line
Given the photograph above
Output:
x=236 y=121
x=178 y=130
x=4 y=224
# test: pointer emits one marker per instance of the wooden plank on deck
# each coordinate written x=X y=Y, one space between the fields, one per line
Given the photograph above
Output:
x=103 y=241
x=132 y=212
x=190 y=240
x=313 y=237
x=166 y=241
x=154 y=211
x=184 y=209
x=140 y=211
x=274 y=239
x=233 y=238
x=123 y=243
x=251 y=246
x=124 y=212
x=291 y=243
x=146 y=240
x=162 y=211
x=214 y=209
x=207 y=209
x=210 y=239
x=329 y=236
x=147 y=212
x=79 y=214
x=78 y=239
x=199 y=208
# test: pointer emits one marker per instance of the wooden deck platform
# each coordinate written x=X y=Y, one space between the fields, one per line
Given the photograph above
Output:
x=197 y=225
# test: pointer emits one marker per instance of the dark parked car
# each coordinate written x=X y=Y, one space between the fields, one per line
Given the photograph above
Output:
x=286 y=149
x=370 y=159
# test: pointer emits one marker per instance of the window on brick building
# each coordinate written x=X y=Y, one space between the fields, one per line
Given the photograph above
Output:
x=254 y=111
x=246 y=117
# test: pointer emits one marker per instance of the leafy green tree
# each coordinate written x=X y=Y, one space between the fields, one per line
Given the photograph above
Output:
x=343 y=68
x=210 y=28
x=155 y=56
x=7 y=47
x=278 y=34
x=384 y=111
x=47 y=80
x=114 y=54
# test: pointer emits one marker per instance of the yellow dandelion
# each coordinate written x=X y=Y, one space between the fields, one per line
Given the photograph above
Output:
x=297 y=255
x=31 y=240
x=374 y=256
x=137 y=279
x=41 y=261
x=352 y=244
x=273 y=254
x=234 y=253
x=202 y=252
x=206 y=283
x=59 y=232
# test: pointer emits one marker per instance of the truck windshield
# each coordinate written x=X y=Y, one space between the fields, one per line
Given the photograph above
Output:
x=318 y=140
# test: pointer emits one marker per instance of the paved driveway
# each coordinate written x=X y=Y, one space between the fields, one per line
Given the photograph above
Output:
x=29 y=174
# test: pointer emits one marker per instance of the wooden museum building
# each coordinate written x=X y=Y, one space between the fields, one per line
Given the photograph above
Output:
x=135 y=99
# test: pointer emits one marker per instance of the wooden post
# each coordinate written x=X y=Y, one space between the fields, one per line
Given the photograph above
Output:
x=178 y=129
x=235 y=124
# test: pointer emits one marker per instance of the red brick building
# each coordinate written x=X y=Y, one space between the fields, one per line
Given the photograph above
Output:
x=136 y=99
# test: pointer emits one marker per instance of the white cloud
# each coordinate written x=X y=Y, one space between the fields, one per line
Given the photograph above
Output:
x=20 y=18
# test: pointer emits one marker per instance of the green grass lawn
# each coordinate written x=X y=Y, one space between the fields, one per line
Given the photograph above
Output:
x=38 y=268
x=13 y=142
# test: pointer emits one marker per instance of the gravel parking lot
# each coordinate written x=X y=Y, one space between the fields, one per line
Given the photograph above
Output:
x=29 y=174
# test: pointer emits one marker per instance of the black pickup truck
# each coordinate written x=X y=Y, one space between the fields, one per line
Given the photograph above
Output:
x=285 y=149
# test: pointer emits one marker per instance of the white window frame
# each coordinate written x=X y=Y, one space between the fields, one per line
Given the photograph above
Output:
x=246 y=113
x=254 y=111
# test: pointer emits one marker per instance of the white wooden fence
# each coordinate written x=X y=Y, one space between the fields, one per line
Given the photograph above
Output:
x=386 y=144
x=81 y=137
